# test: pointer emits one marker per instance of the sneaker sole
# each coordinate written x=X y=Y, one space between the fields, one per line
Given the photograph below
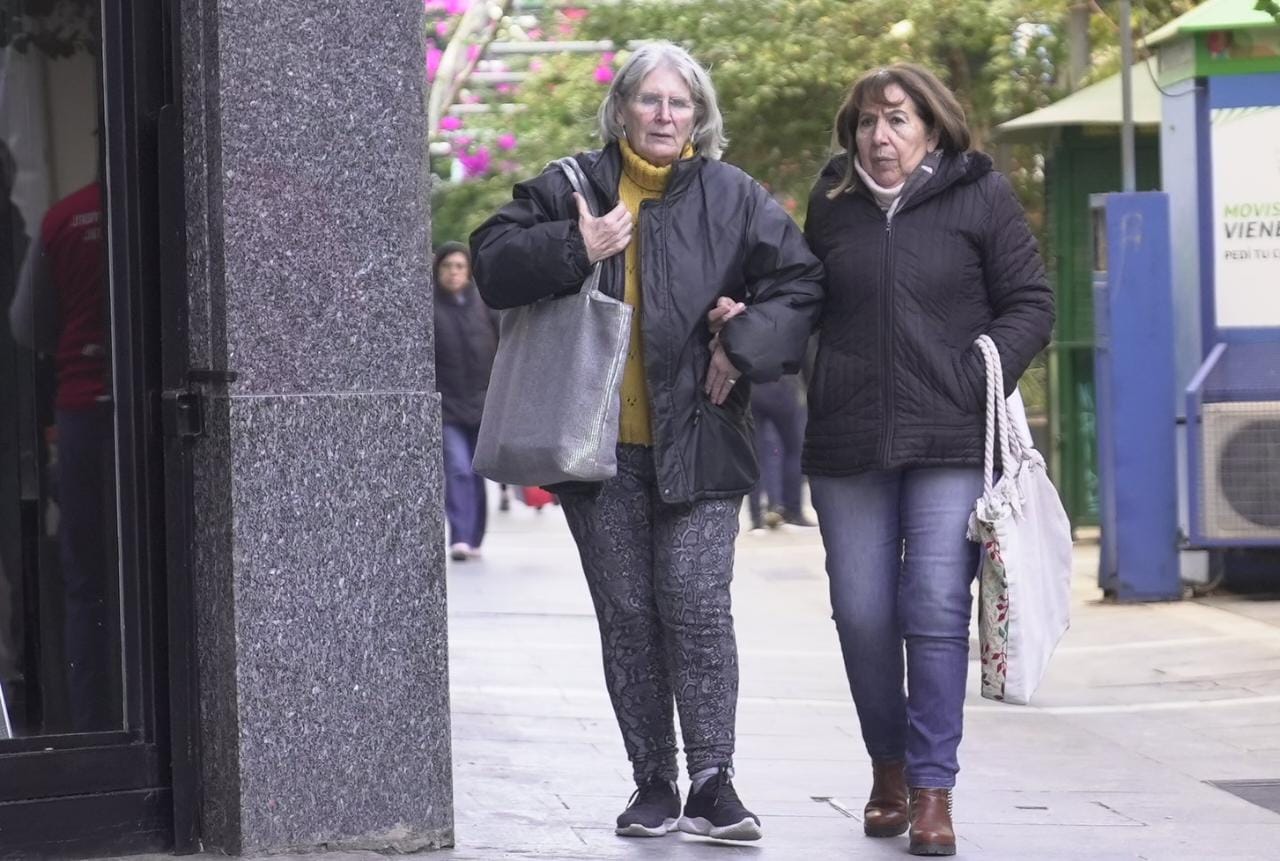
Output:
x=637 y=830
x=747 y=829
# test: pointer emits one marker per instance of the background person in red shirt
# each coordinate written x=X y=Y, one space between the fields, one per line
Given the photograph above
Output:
x=60 y=308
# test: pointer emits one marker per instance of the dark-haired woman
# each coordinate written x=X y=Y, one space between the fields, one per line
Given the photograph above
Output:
x=925 y=247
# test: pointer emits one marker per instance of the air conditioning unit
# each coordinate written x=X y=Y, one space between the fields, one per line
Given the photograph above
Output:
x=1240 y=471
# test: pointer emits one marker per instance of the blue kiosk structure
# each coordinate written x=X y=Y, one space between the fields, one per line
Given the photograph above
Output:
x=1186 y=316
x=1136 y=394
x=1220 y=68
x=1187 y=309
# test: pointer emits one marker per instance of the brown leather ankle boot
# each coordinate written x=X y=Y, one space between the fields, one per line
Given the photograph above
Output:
x=931 y=829
x=886 y=814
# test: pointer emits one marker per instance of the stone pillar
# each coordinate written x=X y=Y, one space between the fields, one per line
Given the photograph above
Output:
x=319 y=576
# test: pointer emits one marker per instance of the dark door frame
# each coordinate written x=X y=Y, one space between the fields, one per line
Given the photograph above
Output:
x=136 y=789
x=180 y=431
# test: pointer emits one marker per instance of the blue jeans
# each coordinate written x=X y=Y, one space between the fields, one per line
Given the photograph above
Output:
x=901 y=572
x=464 y=494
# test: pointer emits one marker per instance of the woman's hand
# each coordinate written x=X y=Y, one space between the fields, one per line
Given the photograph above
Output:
x=604 y=236
x=721 y=375
x=724 y=311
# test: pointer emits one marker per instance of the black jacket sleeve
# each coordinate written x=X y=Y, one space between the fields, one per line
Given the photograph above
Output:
x=1017 y=289
x=784 y=294
x=531 y=248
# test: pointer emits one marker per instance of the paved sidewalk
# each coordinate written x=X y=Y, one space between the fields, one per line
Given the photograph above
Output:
x=1143 y=706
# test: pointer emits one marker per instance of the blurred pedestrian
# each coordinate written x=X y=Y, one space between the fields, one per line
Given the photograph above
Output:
x=925 y=248
x=466 y=338
x=778 y=410
x=722 y=287
x=60 y=309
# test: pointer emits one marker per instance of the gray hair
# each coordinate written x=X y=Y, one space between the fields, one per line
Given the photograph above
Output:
x=708 y=125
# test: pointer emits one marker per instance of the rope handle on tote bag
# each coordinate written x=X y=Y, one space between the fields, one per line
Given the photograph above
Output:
x=1011 y=450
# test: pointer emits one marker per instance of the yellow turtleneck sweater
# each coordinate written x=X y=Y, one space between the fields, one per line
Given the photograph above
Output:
x=640 y=181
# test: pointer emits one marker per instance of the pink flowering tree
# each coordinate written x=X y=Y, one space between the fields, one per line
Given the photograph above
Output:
x=512 y=112
x=464 y=28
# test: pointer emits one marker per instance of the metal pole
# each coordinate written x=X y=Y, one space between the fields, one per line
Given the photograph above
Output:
x=1127 y=171
x=1078 y=43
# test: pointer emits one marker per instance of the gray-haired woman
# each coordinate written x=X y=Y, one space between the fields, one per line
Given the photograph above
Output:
x=723 y=287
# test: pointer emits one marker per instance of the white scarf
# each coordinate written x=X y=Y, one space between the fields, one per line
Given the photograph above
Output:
x=884 y=196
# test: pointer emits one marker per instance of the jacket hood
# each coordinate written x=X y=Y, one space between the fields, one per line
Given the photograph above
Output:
x=444 y=251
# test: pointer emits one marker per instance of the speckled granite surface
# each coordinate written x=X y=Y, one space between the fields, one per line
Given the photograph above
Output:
x=319 y=569
x=340 y=624
x=318 y=182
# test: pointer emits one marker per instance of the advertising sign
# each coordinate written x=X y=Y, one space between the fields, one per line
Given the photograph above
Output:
x=1246 y=216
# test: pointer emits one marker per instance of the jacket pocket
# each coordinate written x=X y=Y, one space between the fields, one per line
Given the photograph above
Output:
x=724 y=449
x=969 y=391
x=835 y=383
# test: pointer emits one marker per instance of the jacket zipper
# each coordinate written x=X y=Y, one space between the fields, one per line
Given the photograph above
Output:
x=886 y=318
x=664 y=486
x=886 y=312
x=886 y=343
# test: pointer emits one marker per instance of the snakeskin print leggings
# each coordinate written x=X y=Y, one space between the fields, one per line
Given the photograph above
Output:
x=659 y=577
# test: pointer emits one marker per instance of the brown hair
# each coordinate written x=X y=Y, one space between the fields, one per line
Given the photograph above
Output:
x=937 y=106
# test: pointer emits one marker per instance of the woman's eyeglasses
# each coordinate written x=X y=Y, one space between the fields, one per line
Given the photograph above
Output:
x=651 y=102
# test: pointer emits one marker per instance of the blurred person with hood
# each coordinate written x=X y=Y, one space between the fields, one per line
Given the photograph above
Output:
x=466 y=339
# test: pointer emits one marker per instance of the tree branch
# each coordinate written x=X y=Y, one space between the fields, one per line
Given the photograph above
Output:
x=482 y=18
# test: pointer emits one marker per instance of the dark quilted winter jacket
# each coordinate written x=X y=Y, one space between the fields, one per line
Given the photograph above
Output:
x=897 y=380
x=466 y=341
x=715 y=232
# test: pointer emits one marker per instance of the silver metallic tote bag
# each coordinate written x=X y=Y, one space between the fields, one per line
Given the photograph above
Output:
x=551 y=412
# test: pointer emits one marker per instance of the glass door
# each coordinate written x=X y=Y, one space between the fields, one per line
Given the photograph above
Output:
x=60 y=616
x=83 y=744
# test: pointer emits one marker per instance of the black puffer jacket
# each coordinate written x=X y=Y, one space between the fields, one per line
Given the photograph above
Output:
x=897 y=380
x=466 y=341
x=716 y=232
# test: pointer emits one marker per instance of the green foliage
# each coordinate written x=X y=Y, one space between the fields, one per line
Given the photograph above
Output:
x=778 y=93
x=559 y=110
x=1270 y=7
x=1034 y=386
x=782 y=68
x=1104 y=31
x=457 y=208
